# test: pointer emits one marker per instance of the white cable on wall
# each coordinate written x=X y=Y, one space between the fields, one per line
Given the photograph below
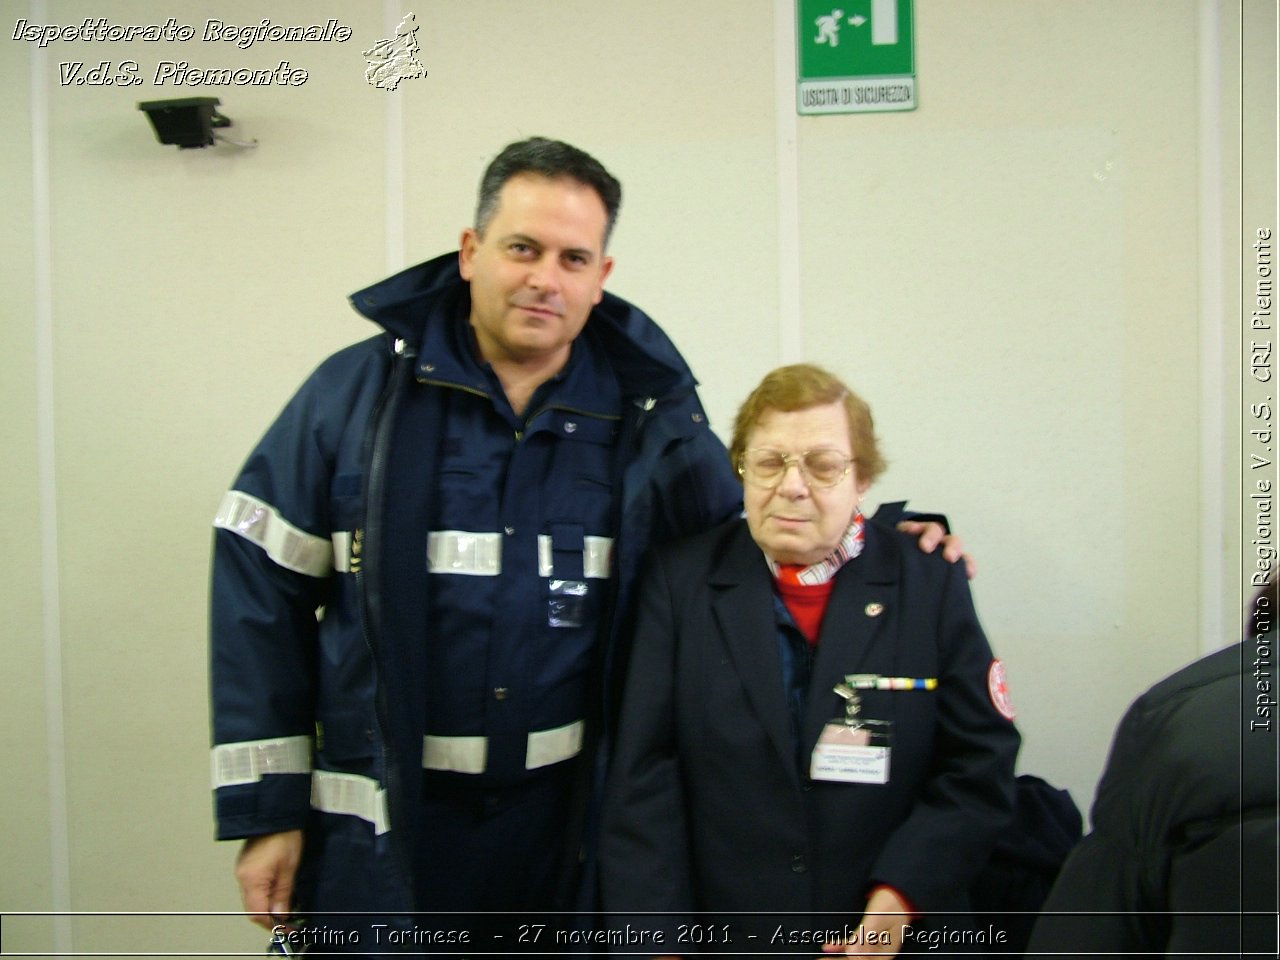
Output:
x=1213 y=327
x=395 y=221
x=46 y=460
x=786 y=145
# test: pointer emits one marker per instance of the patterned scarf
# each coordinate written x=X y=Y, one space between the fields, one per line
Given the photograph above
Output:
x=806 y=590
x=824 y=570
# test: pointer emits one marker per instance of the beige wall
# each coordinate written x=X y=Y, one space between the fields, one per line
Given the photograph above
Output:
x=1023 y=276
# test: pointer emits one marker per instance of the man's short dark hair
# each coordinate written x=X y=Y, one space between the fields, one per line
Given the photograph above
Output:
x=551 y=159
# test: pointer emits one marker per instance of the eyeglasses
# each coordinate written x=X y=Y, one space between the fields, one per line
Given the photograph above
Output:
x=820 y=468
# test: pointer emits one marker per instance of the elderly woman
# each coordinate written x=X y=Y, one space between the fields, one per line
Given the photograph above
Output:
x=813 y=719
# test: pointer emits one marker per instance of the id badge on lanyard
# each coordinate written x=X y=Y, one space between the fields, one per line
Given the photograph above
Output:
x=566 y=603
x=854 y=748
x=567 y=588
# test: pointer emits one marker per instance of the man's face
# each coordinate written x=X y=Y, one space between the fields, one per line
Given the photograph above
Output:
x=538 y=270
x=797 y=522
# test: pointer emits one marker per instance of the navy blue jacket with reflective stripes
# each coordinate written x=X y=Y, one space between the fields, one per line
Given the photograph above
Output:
x=317 y=718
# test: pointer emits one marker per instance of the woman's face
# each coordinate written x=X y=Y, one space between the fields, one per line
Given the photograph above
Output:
x=799 y=521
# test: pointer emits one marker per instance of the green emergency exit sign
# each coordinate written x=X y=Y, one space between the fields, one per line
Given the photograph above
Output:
x=855 y=56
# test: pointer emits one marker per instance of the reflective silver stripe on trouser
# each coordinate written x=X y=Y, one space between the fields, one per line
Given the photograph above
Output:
x=260 y=523
x=249 y=762
x=469 y=754
x=480 y=554
x=352 y=795
x=551 y=746
x=455 y=754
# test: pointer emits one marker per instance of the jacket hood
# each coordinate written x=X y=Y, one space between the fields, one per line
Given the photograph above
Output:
x=643 y=357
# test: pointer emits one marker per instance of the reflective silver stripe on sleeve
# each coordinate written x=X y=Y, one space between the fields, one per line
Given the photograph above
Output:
x=467 y=554
x=249 y=762
x=261 y=523
x=470 y=754
x=341 y=551
x=596 y=552
x=354 y=796
x=551 y=746
x=455 y=754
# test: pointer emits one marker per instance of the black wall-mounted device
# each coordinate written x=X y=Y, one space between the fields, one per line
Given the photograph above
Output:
x=188 y=122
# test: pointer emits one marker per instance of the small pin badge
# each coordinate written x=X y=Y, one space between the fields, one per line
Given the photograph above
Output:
x=874 y=609
x=570 y=427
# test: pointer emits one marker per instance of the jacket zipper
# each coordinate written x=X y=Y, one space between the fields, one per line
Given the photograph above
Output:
x=368 y=589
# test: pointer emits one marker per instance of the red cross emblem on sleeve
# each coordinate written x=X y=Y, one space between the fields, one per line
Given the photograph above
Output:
x=998 y=688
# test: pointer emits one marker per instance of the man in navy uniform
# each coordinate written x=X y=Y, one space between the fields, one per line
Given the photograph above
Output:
x=420 y=574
